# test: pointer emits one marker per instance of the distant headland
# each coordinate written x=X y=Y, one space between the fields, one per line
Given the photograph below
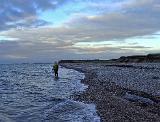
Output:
x=150 y=58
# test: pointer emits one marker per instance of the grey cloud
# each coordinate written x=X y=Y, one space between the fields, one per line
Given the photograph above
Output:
x=135 y=19
x=25 y=51
x=134 y=47
x=13 y=11
x=117 y=26
x=108 y=26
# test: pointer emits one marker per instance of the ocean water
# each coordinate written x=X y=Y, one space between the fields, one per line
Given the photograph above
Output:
x=30 y=93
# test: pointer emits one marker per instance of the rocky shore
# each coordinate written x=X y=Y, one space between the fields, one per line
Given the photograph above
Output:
x=121 y=92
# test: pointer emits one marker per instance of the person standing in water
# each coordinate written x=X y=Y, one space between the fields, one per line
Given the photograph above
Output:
x=55 y=68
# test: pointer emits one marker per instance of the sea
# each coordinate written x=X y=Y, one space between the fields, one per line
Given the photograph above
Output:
x=30 y=93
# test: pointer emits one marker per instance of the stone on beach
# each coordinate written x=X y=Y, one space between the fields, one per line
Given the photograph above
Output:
x=122 y=92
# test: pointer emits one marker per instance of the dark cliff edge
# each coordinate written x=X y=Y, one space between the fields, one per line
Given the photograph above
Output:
x=150 y=58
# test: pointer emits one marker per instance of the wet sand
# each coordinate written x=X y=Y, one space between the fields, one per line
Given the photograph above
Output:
x=121 y=92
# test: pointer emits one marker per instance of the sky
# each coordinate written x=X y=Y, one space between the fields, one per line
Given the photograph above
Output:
x=42 y=31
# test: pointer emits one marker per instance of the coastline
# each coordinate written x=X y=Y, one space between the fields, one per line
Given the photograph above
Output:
x=109 y=97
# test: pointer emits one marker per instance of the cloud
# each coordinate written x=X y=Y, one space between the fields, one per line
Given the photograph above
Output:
x=47 y=47
x=15 y=13
x=129 y=22
x=133 y=19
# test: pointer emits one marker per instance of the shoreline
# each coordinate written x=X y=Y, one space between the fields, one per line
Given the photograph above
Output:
x=110 y=100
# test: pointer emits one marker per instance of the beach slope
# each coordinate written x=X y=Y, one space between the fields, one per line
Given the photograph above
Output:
x=121 y=92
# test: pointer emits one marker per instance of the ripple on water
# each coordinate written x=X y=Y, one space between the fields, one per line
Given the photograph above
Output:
x=29 y=92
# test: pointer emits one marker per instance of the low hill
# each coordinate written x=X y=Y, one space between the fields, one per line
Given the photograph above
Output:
x=150 y=58
x=140 y=58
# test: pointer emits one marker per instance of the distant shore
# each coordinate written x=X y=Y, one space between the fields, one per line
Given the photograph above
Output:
x=150 y=58
x=121 y=92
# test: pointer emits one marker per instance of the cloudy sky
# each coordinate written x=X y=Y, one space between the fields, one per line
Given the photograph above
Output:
x=47 y=30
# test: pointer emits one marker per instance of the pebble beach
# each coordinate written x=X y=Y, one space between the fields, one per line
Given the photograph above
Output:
x=127 y=92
